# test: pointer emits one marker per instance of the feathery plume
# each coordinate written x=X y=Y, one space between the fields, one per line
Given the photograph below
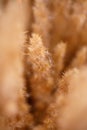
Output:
x=31 y=84
x=41 y=23
x=69 y=25
x=41 y=78
x=59 y=54
x=80 y=59
x=68 y=112
x=14 y=108
x=60 y=16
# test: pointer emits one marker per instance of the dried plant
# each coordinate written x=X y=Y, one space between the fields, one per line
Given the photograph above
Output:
x=68 y=111
x=59 y=55
x=13 y=106
x=80 y=59
x=43 y=64
x=41 y=78
x=41 y=23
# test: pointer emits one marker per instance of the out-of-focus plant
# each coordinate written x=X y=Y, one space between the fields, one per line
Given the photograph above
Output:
x=43 y=64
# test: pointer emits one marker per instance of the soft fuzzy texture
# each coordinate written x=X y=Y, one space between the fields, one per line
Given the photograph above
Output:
x=43 y=64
